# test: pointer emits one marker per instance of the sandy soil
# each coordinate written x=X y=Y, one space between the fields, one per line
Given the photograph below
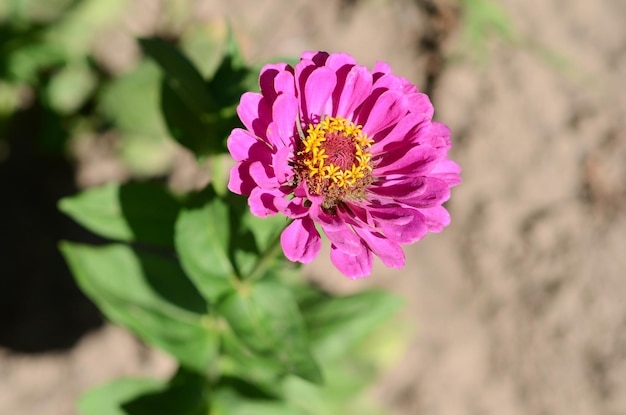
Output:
x=519 y=306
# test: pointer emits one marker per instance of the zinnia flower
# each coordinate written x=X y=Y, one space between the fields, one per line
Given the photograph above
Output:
x=349 y=151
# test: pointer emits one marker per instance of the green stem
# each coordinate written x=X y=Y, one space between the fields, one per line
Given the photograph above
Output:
x=267 y=257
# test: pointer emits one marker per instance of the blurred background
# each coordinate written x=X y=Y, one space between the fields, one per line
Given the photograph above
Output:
x=518 y=307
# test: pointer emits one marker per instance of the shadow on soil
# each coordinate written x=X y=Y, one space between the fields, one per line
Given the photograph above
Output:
x=41 y=308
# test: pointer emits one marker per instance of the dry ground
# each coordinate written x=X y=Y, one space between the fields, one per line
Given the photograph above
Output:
x=519 y=307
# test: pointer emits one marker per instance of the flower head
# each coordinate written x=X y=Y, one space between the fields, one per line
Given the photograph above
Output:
x=353 y=151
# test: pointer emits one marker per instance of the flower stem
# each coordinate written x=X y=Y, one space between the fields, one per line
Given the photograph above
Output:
x=266 y=258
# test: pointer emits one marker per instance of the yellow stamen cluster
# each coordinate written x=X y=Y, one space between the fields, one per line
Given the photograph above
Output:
x=316 y=148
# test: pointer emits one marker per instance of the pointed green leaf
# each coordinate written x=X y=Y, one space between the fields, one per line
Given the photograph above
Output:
x=180 y=75
x=109 y=398
x=70 y=87
x=148 y=294
x=202 y=242
x=132 y=101
x=228 y=402
x=203 y=134
x=267 y=320
x=140 y=212
x=185 y=394
x=337 y=323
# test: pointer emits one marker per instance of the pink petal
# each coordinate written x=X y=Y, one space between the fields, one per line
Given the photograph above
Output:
x=285 y=113
x=405 y=188
x=300 y=241
x=285 y=83
x=338 y=60
x=262 y=203
x=412 y=230
x=255 y=113
x=319 y=58
x=420 y=104
x=381 y=69
x=400 y=134
x=352 y=266
x=355 y=89
x=240 y=142
x=388 y=109
x=448 y=171
x=415 y=161
x=280 y=161
x=293 y=208
x=345 y=239
x=263 y=175
x=388 y=251
x=240 y=181
x=434 y=192
x=267 y=79
x=435 y=218
x=317 y=90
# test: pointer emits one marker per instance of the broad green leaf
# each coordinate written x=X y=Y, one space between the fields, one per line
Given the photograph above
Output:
x=141 y=212
x=76 y=30
x=266 y=318
x=238 y=396
x=132 y=101
x=258 y=247
x=228 y=402
x=198 y=114
x=338 y=396
x=202 y=242
x=24 y=64
x=203 y=44
x=109 y=398
x=185 y=394
x=336 y=323
x=203 y=134
x=69 y=88
x=232 y=77
x=148 y=294
x=180 y=75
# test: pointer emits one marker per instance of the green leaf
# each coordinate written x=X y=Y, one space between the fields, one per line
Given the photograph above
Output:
x=132 y=101
x=148 y=294
x=141 y=212
x=198 y=114
x=108 y=399
x=185 y=394
x=203 y=134
x=228 y=402
x=256 y=240
x=236 y=396
x=69 y=88
x=337 y=323
x=202 y=242
x=180 y=75
x=265 y=317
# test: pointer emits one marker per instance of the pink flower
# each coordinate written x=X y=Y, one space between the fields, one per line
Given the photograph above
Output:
x=349 y=151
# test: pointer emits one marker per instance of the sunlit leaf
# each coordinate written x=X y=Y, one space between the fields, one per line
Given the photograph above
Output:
x=266 y=319
x=180 y=75
x=202 y=242
x=148 y=294
x=337 y=323
x=227 y=401
x=109 y=398
x=141 y=212
x=185 y=394
x=70 y=87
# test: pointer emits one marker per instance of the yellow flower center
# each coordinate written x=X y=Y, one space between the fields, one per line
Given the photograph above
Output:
x=334 y=160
